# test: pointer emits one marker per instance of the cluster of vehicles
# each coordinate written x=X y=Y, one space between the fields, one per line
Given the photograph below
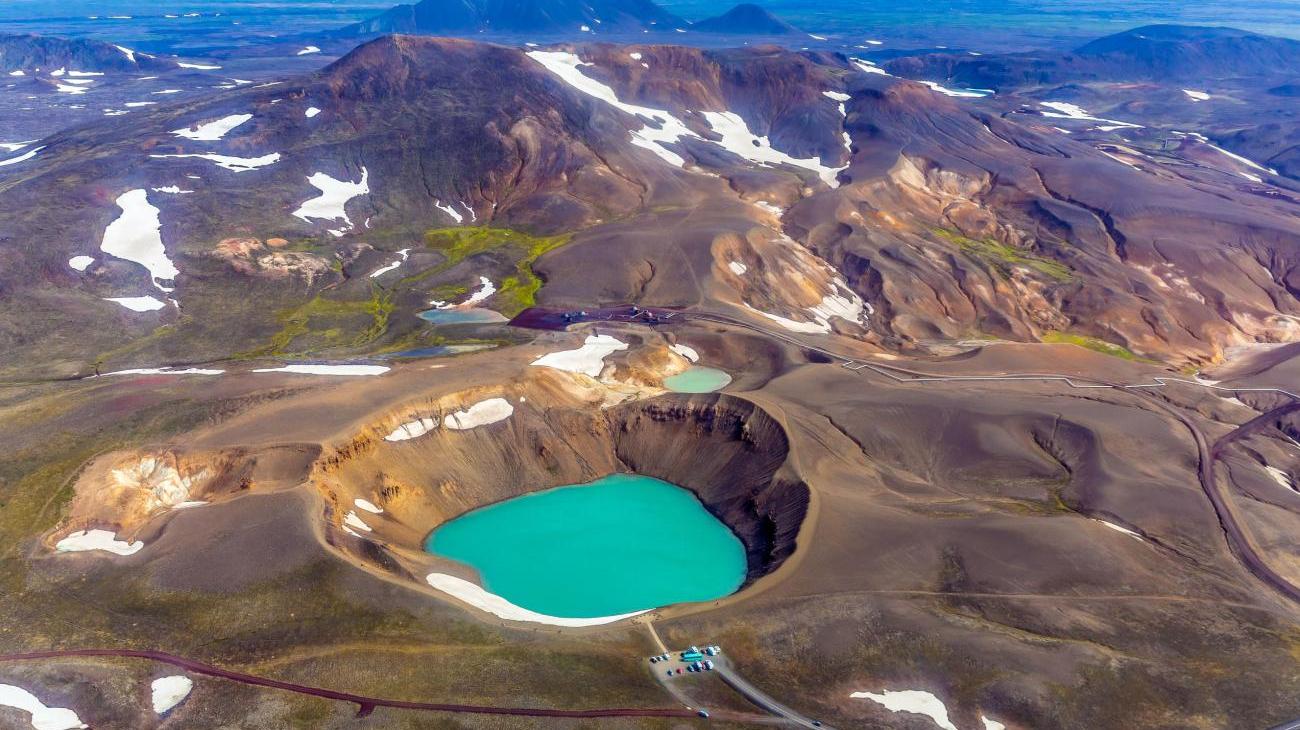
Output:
x=694 y=659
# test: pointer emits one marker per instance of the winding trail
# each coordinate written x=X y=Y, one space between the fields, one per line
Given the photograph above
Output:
x=365 y=704
x=761 y=698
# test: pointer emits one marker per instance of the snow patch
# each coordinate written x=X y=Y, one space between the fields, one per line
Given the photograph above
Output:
x=356 y=523
x=172 y=190
x=1280 y=477
x=135 y=236
x=169 y=692
x=808 y=328
x=1236 y=157
x=991 y=724
x=1196 y=95
x=234 y=164
x=479 y=598
x=670 y=129
x=686 y=351
x=412 y=429
x=42 y=717
x=81 y=263
x=737 y=268
x=1066 y=110
x=310 y=369
x=455 y=214
x=403 y=253
x=137 y=304
x=331 y=204
x=962 y=93
x=737 y=139
x=485 y=289
x=162 y=371
x=1121 y=528
x=368 y=506
x=311 y=112
x=212 y=131
x=479 y=414
x=197 y=66
x=97 y=540
x=308 y=50
x=588 y=359
x=870 y=68
x=29 y=154
x=911 y=700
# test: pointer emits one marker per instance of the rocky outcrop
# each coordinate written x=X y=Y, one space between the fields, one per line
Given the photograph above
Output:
x=124 y=490
x=249 y=256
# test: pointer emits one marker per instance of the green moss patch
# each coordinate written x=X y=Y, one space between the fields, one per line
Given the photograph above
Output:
x=1091 y=343
x=330 y=323
x=518 y=290
x=1003 y=258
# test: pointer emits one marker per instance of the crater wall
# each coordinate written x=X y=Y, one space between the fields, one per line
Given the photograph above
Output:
x=728 y=451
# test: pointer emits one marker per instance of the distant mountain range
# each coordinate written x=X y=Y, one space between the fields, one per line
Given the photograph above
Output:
x=518 y=16
x=1157 y=52
x=1030 y=230
x=557 y=16
x=27 y=52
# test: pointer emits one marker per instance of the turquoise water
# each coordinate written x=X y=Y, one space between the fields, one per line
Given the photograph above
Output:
x=620 y=544
x=697 y=379
x=437 y=351
x=472 y=315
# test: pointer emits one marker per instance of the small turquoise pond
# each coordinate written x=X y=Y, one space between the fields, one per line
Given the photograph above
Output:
x=620 y=544
x=697 y=379
x=471 y=315
x=436 y=351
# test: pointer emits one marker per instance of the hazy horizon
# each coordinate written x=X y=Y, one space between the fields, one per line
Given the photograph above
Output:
x=1009 y=21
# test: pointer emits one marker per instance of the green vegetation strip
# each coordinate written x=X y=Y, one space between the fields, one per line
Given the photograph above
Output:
x=517 y=291
x=1091 y=343
x=296 y=321
x=333 y=323
x=1002 y=257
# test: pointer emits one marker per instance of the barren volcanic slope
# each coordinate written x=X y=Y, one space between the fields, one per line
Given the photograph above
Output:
x=1187 y=83
x=975 y=444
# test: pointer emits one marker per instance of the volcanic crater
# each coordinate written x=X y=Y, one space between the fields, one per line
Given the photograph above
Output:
x=732 y=454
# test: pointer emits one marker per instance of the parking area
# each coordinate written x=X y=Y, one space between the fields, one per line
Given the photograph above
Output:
x=686 y=661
